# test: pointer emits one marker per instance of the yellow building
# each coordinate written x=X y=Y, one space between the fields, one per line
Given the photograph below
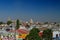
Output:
x=23 y=36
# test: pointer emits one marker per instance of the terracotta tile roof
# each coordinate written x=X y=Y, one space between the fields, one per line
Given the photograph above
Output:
x=22 y=31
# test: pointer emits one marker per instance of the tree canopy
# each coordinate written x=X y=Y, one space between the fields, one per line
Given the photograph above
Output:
x=45 y=22
x=17 y=23
x=9 y=22
x=1 y=23
x=33 y=35
x=47 y=34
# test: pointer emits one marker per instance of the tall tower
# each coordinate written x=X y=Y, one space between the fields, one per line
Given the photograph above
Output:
x=31 y=21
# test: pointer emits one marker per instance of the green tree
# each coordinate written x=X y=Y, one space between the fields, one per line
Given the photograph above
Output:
x=1 y=23
x=45 y=22
x=47 y=34
x=55 y=23
x=17 y=24
x=33 y=35
x=58 y=26
x=9 y=22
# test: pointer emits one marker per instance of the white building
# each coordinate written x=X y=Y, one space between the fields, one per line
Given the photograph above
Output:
x=56 y=33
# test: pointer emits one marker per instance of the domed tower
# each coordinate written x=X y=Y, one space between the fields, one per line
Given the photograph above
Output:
x=31 y=21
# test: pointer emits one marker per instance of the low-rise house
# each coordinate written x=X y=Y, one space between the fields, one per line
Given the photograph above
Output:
x=43 y=28
x=44 y=25
x=56 y=34
x=22 y=33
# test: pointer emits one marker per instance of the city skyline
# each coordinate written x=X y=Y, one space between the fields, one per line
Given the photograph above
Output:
x=38 y=10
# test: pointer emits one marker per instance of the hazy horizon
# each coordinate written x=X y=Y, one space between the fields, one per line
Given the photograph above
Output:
x=38 y=10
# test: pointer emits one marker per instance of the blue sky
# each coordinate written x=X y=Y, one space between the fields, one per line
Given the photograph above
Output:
x=38 y=10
